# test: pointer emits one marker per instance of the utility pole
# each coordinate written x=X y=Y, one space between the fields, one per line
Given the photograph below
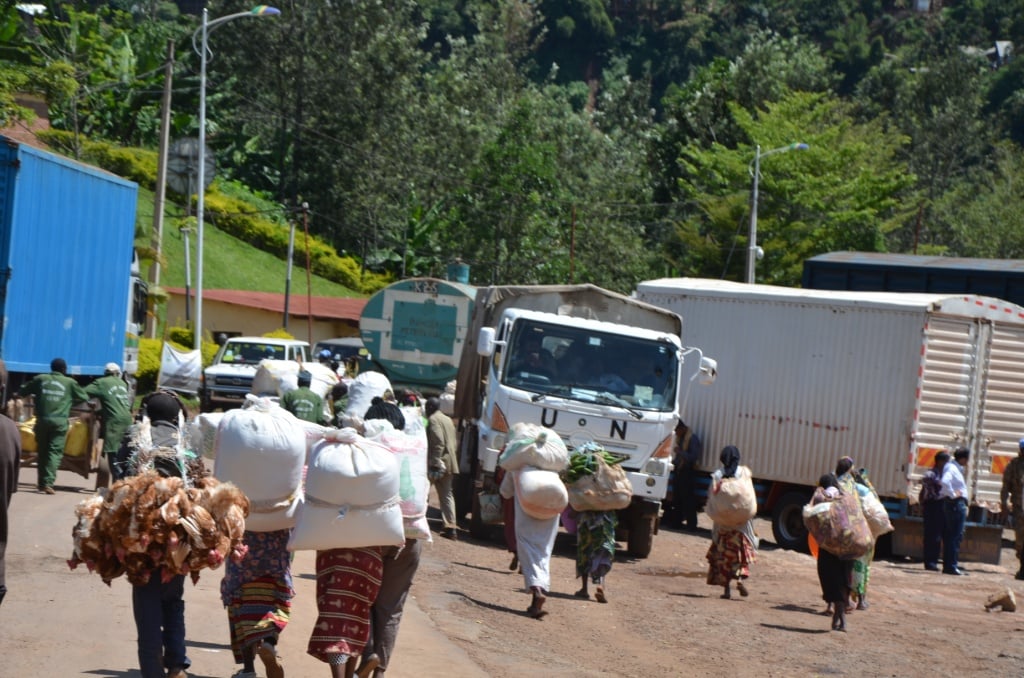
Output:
x=161 y=183
x=309 y=277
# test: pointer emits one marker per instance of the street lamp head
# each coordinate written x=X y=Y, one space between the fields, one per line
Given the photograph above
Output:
x=264 y=9
x=800 y=147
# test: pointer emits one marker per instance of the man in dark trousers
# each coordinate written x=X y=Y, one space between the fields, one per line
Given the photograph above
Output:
x=115 y=409
x=10 y=462
x=54 y=395
x=689 y=450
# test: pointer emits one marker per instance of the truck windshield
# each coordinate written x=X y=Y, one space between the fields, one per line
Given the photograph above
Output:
x=247 y=353
x=591 y=366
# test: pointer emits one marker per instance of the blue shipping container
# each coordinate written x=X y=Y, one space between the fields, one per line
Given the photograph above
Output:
x=66 y=240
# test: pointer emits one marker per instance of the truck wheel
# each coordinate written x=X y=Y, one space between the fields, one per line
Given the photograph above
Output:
x=641 y=535
x=788 y=522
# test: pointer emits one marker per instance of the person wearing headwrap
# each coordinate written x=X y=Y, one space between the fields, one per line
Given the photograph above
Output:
x=833 y=573
x=849 y=479
x=384 y=407
x=732 y=549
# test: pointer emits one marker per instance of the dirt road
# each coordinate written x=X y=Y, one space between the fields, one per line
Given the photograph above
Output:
x=467 y=615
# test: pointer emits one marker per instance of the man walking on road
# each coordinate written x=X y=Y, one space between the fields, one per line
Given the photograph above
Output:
x=10 y=462
x=54 y=394
x=442 y=462
x=116 y=410
x=1010 y=497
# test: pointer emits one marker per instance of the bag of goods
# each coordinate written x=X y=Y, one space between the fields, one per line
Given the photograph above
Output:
x=447 y=399
x=275 y=377
x=149 y=521
x=490 y=508
x=540 y=493
x=201 y=433
x=262 y=450
x=351 y=498
x=596 y=480
x=413 y=484
x=732 y=501
x=839 y=526
x=27 y=429
x=874 y=512
x=361 y=392
x=532 y=445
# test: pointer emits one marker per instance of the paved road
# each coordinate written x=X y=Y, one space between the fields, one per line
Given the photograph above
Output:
x=62 y=623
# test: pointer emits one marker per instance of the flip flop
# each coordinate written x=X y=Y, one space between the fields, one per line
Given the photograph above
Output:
x=599 y=595
x=742 y=589
x=536 y=612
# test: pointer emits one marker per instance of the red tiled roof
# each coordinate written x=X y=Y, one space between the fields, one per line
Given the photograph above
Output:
x=328 y=308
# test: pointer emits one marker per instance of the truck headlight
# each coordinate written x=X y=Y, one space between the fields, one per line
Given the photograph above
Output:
x=657 y=467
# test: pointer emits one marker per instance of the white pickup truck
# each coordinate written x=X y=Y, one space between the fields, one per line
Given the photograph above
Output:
x=226 y=382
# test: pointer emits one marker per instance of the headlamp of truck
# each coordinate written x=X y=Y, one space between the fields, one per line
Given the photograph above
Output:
x=657 y=467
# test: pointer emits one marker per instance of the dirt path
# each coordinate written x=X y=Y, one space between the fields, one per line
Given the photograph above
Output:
x=467 y=615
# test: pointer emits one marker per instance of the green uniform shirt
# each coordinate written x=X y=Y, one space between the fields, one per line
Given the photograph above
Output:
x=305 y=405
x=112 y=392
x=54 y=395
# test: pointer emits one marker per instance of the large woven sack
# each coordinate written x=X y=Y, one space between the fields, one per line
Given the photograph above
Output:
x=411 y=453
x=201 y=433
x=839 y=527
x=351 y=498
x=607 y=489
x=362 y=390
x=732 y=501
x=275 y=377
x=532 y=445
x=540 y=493
x=874 y=512
x=262 y=450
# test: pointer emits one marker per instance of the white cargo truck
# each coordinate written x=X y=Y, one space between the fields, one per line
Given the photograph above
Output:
x=591 y=365
x=888 y=378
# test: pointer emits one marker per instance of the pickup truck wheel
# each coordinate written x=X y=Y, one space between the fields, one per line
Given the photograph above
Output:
x=788 y=522
x=641 y=535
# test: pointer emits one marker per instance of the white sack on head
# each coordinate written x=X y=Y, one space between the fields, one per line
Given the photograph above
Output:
x=262 y=449
x=532 y=445
x=363 y=389
x=321 y=380
x=411 y=453
x=352 y=496
x=275 y=377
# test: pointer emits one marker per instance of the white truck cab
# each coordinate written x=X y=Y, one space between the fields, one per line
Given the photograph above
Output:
x=226 y=382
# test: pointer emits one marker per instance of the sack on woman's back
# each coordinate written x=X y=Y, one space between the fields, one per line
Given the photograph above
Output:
x=839 y=527
x=531 y=445
x=732 y=501
x=607 y=489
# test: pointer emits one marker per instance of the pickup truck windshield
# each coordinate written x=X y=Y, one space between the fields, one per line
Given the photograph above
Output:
x=246 y=353
x=591 y=366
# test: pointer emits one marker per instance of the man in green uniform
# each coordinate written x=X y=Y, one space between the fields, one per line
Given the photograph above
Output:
x=303 y=403
x=116 y=407
x=1011 y=499
x=54 y=395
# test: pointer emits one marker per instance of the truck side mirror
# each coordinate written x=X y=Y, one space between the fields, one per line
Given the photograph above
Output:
x=708 y=371
x=485 y=342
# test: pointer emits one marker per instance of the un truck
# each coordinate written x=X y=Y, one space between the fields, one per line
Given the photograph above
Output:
x=590 y=364
x=887 y=378
x=70 y=281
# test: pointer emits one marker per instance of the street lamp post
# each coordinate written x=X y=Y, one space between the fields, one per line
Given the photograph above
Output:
x=204 y=31
x=755 y=171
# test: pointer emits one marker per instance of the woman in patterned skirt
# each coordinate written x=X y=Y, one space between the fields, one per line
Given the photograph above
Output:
x=733 y=549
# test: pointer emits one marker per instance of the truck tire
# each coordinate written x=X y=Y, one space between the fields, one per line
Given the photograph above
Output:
x=788 y=522
x=640 y=540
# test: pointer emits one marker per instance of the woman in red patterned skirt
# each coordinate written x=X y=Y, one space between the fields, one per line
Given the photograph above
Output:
x=732 y=549
x=347 y=584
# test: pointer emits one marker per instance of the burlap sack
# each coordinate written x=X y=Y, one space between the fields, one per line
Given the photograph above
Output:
x=732 y=501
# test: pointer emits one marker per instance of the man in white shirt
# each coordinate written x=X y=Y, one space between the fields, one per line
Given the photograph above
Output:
x=954 y=497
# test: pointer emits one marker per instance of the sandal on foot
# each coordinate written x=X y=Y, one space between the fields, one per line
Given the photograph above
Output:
x=742 y=589
x=582 y=593
x=599 y=595
x=368 y=666
x=536 y=612
x=514 y=565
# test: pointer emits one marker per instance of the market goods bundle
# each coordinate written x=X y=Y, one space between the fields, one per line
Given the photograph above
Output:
x=732 y=501
x=596 y=480
x=839 y=526
x=874 y=512
x=413 y=484
x=262 y=450
x=352 y=496
x=76 y=442
x=149 y=521
x=532 y=445
x=540 y=493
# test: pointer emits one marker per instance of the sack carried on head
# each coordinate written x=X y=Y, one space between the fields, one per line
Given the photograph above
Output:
x=532 y=445
x=352 y=496
x=732 y=501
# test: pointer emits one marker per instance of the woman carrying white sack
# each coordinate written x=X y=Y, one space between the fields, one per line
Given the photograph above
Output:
x=540 y=497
